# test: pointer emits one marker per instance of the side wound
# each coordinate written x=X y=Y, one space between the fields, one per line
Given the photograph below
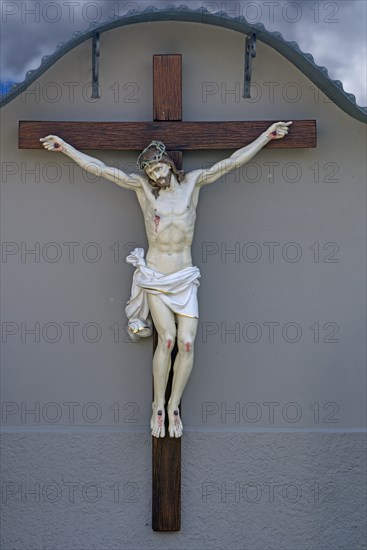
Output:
x=157 y=219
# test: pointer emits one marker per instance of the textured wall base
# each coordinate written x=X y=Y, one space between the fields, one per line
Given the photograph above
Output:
x=251 y=491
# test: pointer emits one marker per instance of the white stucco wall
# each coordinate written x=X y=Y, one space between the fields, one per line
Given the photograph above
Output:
x=297 y=394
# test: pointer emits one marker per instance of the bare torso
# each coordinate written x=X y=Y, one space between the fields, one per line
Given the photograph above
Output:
x=170 y=223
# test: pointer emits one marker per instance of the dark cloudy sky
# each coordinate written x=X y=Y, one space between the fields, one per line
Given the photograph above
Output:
x=333 y=32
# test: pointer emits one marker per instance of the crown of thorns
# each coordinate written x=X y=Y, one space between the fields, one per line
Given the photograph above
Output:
x=151 y=154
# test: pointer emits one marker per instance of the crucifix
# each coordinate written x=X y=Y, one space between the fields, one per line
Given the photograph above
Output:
x=165 y=283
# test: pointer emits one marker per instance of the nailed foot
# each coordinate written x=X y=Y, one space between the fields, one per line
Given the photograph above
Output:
x=157 y=421
x=175 y=427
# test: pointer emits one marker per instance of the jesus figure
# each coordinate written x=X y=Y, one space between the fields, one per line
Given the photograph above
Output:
x=165 y=282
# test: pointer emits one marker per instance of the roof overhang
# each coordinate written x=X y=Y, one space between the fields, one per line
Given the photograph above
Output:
x=290 y=50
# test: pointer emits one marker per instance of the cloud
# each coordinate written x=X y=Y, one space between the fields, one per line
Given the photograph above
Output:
x=333 y=32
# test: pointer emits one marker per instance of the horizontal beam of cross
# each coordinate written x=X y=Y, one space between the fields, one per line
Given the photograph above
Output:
x=184 y=136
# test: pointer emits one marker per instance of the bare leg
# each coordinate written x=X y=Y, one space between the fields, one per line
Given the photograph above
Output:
x=187 y=327
x=164 y=322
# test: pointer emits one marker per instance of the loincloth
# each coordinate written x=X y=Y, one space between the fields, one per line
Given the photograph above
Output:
x=178 y=291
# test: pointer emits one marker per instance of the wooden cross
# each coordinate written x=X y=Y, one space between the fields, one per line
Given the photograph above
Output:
x=178 y=136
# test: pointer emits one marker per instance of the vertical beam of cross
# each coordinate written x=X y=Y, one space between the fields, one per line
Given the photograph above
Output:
x=166 y=452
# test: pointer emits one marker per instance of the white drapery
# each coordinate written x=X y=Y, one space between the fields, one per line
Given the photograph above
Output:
x=177 y=290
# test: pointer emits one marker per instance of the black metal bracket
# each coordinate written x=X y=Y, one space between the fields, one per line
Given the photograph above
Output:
x=95 y=65
x=250 y=53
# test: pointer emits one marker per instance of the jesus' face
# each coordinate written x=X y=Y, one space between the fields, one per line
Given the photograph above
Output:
x=160 y=172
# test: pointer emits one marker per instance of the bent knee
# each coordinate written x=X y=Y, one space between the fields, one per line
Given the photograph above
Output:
x=186 y=345
x=167 y=341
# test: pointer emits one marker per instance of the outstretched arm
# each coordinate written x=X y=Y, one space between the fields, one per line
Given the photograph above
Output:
x=91 y=164
x=241 y=156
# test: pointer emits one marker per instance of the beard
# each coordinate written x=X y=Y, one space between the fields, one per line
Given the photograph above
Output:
x=165 y=181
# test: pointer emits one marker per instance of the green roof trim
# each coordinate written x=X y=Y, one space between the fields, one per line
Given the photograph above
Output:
x=290 y=50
